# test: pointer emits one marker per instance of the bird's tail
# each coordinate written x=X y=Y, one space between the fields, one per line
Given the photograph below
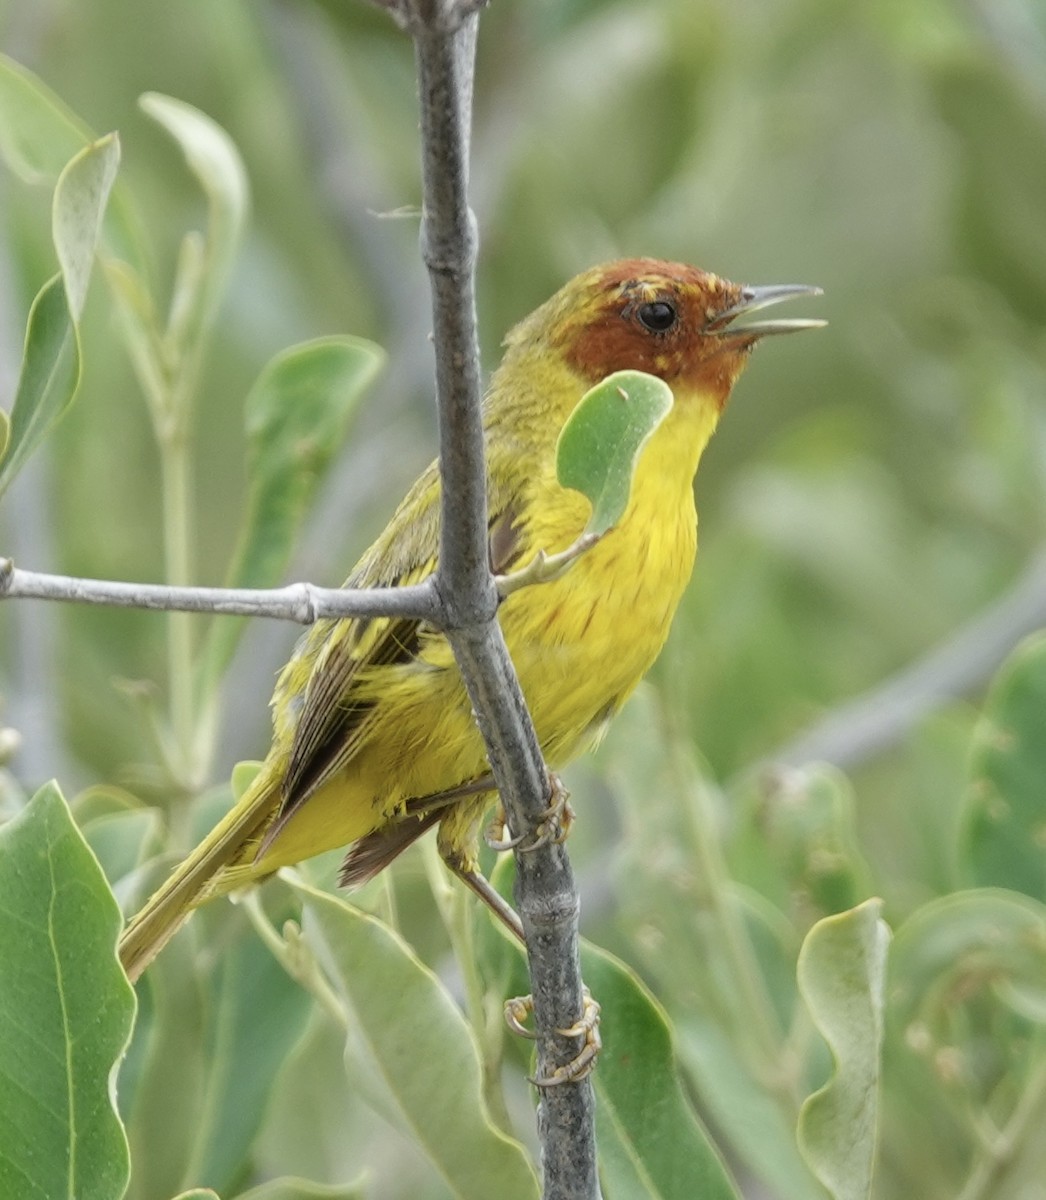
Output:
x=199 y=876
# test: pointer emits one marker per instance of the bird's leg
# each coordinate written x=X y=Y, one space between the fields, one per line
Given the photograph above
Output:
x=497 y=904
x=553 y=826
x=581 y=1065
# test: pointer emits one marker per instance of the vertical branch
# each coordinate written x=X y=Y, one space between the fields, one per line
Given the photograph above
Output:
x=545 y=892
x=449 y=244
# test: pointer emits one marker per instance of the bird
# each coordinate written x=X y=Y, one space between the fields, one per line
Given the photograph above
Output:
x=374 y=739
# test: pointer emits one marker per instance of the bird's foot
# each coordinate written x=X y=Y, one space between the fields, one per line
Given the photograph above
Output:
x=553 y=825
x=518 y=1009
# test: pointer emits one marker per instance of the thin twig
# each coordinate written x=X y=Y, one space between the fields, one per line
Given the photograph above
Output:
x=301 y=602
x=543 y=568
x=546 y=895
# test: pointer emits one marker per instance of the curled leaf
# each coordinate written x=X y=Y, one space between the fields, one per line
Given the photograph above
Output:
x=599 y=445
x=842 y=977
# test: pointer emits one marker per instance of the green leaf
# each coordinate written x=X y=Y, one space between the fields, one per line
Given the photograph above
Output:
x=257 y=1013
x=198 y=1194
x=651 y=1143
x=422 y=1049
x=599 y=445
x=297 y=414
x=965 y=942
x=51 y=360
x=140 y=328
x=296 y=417
x=80 y=198
x=213 y=158
x=49 y=379
x=5 y=433
x=303 y=1189
x=806 y=833
x=753 y=1119
x=842 y=977
x=164 y=1076
x=122 y=842
x=66 y=1011
x=39 y=134
x=1004 y=831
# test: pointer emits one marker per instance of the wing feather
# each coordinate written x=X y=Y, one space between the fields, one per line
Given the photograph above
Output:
x=336 y=715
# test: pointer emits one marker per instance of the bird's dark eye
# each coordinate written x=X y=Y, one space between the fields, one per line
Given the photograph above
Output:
x=658 y=316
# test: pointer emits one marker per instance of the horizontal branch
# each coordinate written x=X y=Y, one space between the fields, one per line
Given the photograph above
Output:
x=301 y=602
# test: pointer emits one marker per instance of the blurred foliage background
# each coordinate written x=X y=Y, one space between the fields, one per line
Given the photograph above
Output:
x=872 y=489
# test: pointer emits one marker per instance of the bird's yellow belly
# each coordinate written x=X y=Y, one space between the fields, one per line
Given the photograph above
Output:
x=583 y=650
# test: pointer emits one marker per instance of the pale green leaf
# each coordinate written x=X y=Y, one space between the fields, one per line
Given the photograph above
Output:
x=1004 y=833
x=303 y=1189
x=740 y=1105
x=80 y=199
x=213 y=158
x=422 y=1048
x=66 y=1011
x=842 y=978
x=39 y=134
x=986 y=937
x=163 y=1079
x=50 y=373
x=807 y=832
x=122 y=842
x=600 y=443
x=140 y=328
x=297 y=414
x=257 y=1013
x=669 y=864
x=651 y=1143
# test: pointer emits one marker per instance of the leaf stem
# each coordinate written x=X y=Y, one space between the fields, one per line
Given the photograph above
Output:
x=456 y=911
x=176 y=473
x=761 y=1034
x=293 y=953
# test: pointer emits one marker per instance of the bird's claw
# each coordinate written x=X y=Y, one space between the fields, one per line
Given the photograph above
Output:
x=587 y=1026
x=516 y=1012
x=495 y=836
x=553 y=825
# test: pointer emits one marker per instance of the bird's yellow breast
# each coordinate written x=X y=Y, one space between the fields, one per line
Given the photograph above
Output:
x=582 y=642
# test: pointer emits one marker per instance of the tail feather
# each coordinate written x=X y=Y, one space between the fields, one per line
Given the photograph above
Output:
x=373 y=852
x=198 y=877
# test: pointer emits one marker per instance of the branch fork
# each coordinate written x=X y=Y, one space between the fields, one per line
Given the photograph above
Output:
x=544 y=567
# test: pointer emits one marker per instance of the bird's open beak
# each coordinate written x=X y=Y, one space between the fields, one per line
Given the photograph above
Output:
x=755 y=298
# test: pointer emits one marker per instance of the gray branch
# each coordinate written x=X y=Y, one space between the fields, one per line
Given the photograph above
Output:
x=301 y=602
x=871 y=723
x=546 y=895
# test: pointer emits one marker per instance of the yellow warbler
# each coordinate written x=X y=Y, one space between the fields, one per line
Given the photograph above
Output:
x=374 y=739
